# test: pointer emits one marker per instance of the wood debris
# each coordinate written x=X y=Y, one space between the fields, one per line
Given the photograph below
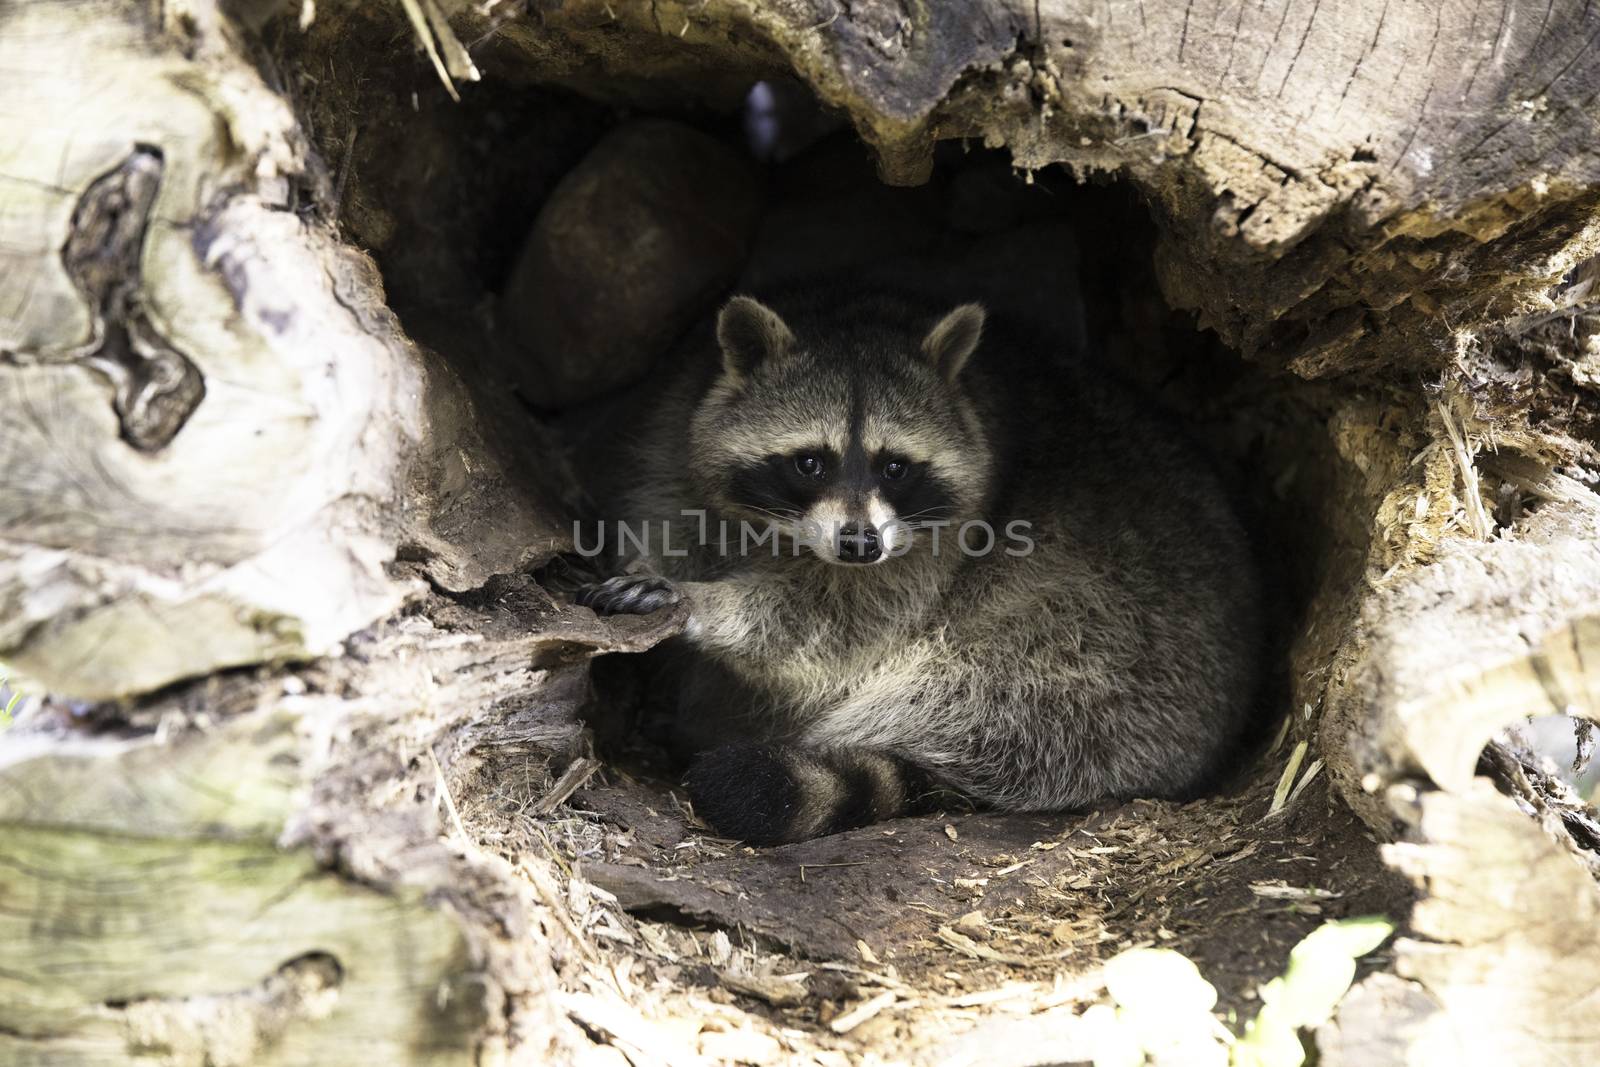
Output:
x=781 y=991
x=859 y=1014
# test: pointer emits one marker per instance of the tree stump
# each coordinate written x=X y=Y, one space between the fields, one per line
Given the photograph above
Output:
x=308 y=782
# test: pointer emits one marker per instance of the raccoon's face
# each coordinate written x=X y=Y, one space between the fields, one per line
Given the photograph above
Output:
x=854 y=442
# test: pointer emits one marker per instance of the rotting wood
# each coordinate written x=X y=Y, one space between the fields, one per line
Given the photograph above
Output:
x=186 y=874
x=257 y=517
x=1333 y=199
x=1334 y=192
x=248 y=911
x=1440 y=669
x=1505 y=938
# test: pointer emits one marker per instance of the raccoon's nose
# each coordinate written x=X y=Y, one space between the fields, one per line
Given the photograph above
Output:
x=859 y=544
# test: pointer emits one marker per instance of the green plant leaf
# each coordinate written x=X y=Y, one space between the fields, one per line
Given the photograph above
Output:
x=1352 y=937
x=1163 y=1010
x=1321 y=968
x=1269 y=1042
x=1158 y=980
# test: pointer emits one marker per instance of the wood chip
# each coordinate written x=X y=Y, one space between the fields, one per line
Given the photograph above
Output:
x=888 y=980
x=1009 y=991
x=1305 y=780
x=1280 y=795
x=535 y=874
x=571 y=780
x=780 y=992
x=1279 y=891
x=638 y=1037
x=862 y=1012
x=964 y=944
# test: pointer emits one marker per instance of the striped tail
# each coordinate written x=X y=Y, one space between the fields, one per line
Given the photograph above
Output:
x=775 y=793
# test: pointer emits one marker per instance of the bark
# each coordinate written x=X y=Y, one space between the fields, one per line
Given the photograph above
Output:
x=282 y=551
x=1336 y=190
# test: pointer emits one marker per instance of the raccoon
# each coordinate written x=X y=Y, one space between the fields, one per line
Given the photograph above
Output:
x=923 y=553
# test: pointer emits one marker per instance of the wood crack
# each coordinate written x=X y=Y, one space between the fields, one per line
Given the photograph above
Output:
x=1372 y=46
x=1301 y=47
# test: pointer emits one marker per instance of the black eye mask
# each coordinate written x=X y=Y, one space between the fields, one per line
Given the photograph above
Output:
x=775 y=484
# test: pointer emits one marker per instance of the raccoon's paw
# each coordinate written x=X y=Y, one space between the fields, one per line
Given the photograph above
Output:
x=629 y=594
x=747 y=791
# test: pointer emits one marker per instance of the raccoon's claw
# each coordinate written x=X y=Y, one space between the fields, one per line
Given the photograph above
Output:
x=629 y=594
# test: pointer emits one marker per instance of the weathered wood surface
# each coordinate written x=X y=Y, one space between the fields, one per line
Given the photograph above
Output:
x=150 y=872
x=160 y=935
x=216 y=442
x=220 y=450
x=1340 y=186
x=1445 y=657
x=214 y=428
x=1487 y=634
x=1507 y=935
x=264 y=877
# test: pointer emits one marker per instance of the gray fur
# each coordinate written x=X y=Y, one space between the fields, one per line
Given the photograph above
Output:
x=1119 y=659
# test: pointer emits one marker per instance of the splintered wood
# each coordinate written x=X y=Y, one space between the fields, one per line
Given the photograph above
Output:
x=320 y=785
x=677 y=923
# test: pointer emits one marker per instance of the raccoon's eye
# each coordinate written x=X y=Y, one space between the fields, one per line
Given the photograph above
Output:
x=810 y=466
x=896 y=469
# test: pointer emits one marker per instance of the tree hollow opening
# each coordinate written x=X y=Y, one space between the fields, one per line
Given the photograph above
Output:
x=552 y=247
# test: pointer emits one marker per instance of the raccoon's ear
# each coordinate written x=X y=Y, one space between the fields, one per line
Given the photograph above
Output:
x=748 y=332
x=952 y=341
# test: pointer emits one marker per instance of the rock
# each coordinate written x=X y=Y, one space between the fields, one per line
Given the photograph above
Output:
x=636 y=242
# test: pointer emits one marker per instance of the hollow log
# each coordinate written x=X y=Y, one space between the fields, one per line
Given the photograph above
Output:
x=307 y=782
